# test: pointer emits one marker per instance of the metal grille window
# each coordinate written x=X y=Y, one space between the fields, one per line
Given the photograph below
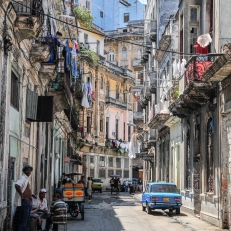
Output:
x=119 y=172
x=117 y=129
x=88 y=5
x=92 y=172
x=14 y=99
x=92 y=158
x=102 y=161
x=110 y=161
x=126 y=173
x=110 y=172
x=126 y=163
x=107 y=127
x=102 y=173
x=126 y=17
x=101 y=83
x=118 y=162
x=89 y=124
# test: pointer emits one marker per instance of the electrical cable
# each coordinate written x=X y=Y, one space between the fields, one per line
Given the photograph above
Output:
x=121 y=40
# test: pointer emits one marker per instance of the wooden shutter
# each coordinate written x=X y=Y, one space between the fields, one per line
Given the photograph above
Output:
x=31 y=105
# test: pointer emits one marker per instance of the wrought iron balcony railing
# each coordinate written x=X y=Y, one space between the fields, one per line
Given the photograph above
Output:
x=30 y=18
x=116 y=102
x=197 y=66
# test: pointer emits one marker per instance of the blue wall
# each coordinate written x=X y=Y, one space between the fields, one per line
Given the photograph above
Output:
x=136 y=12
x=114 y=13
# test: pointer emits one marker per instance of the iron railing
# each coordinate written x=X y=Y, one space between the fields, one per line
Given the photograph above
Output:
x=196 y=67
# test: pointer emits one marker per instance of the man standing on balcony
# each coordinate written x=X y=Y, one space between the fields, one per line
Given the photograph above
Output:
x=53 y=42
x=22 y=200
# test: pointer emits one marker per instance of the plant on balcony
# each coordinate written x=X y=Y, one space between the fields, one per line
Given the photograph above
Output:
x=84 y=15
x=75 y=110
x=90 y=56
x=175 y=94
x=79 y=145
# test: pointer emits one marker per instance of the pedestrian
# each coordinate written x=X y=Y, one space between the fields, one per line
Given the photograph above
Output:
x=89 y=189
x=36 y=220
x=126 y=185
x=41 y=203
x=58 y=212
x=22 y=200
x=82 y=181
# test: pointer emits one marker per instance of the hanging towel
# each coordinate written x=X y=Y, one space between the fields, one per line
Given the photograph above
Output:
x=85 y=102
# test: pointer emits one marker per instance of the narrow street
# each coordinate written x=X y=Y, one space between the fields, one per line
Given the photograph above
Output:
x=108 y=212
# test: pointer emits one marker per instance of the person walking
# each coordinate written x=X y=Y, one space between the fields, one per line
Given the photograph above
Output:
x=58 y=212
x=89 y=189
x=22 y=200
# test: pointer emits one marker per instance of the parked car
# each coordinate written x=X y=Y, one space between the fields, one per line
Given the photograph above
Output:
x=161 y=195
x=97 y=185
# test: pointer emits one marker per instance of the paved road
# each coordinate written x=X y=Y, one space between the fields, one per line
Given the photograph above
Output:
x=123 y=212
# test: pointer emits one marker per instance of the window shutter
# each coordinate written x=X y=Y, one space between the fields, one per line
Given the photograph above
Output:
x=31 y=105
x=45 y=109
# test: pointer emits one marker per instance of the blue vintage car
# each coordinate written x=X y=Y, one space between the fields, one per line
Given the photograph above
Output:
x=161 y=195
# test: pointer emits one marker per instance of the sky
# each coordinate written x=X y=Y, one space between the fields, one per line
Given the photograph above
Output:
x=143 y=1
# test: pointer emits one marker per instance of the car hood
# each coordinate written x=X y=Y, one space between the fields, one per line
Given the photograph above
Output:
x=165 y=194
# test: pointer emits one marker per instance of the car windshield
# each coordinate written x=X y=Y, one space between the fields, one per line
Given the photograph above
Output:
x=96 y=180
x=163 y=188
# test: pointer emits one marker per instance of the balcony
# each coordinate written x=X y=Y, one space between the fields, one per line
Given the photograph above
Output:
x=138 y=116
x=158 y=120
x=30 y=19
x=219 y=70
x=163 y=45
x=124 y=63
x=118 y=70
x=147 y=93
x=116 y=103
x=39 y=52
x=47 y=72
x=153 y=31
x=137 y=65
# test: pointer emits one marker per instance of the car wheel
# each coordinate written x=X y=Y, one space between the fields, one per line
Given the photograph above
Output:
x=148 y=209
x=178 y=211
x=143 y=208
x=170 y=210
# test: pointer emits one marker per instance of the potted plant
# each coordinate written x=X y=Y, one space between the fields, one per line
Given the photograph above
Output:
x=84 y=15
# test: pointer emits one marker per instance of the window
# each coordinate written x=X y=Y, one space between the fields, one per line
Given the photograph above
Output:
x=92 y=172
x=98 y=47
x=126 y=163
x=101 y=125
x=88 y=5
x=107 y=89
x=102 y=161
x=119 y=172
x=89 y=124
x=126 y=17
x=102 y=173
x=14 y=99
x=124 y=130
x=101 y=83
x=194 y=14
x=117 y=128
x=118 y=162
x=129 y=133
x=85 y=39
x=110 y=161
x=111 y=56
x=139 y=54
x=107 y=127
x=126 y=173
x=117 y=92
x=193 y=39
x=125 y=30
x=124 y=53
x=110 y=172
x=92 y=158
x=101 y=14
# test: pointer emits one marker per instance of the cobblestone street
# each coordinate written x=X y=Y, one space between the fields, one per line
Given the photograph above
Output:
x=109 y=212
